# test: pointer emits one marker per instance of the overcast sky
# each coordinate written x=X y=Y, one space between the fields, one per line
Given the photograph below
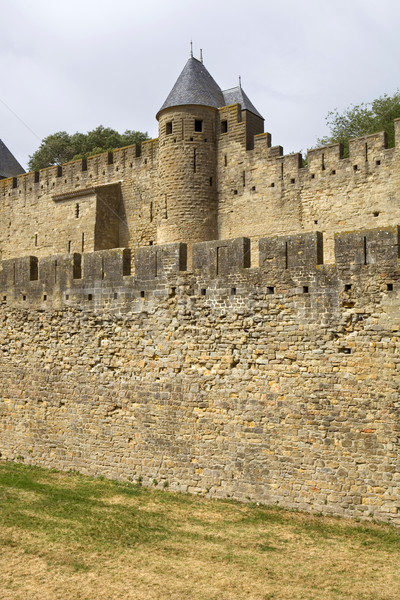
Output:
x=82 y=63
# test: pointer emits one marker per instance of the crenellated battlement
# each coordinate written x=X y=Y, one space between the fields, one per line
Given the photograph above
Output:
x=367 y=151
x=103 y=279
x=102 y=168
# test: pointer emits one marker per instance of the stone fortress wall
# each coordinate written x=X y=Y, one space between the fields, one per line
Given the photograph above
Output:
x=277 y=384
x=207 y=312
x=128 y=198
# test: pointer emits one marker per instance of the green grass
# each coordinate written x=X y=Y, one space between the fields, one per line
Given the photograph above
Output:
x=72 y=528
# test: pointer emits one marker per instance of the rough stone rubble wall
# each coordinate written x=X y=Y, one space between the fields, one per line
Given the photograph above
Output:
x=278 y=384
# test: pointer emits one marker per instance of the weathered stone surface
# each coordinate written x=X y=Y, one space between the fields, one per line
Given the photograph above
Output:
x=174 y=312
x=278 y=385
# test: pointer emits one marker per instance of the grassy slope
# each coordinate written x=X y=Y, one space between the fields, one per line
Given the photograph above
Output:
x=72 y=537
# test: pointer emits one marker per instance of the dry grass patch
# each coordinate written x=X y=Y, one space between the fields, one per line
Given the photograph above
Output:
x=65 y=536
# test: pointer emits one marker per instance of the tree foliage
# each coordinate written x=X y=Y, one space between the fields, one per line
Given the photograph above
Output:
x=61 y=147
x=363 y=119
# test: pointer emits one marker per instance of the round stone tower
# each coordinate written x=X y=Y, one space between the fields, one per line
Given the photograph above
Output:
x=187 y=166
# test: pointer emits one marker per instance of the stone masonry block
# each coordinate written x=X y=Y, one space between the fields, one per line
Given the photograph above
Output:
x=291 y=252
x=19 y=270
x=58 y=271
x=158 y=261
x=221 y=257
x=110 y=265
x=367 y=246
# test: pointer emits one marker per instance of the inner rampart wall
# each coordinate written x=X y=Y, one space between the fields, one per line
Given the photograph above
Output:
x=278 y=384
x=263 y=192
x=237 y=192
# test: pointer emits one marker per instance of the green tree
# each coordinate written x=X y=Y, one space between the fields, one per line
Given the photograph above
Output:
x=61 y=147
x=363 y=119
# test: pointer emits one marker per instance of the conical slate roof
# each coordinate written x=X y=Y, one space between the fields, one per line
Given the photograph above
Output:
x=194 y=86
x=237 y=96
x=9 y=166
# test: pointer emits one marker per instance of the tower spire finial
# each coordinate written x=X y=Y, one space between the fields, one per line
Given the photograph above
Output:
x=201 y=56
x=240 y=81
x=191 y=49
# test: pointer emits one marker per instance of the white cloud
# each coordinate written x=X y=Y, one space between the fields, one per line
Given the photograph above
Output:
x=75 y=65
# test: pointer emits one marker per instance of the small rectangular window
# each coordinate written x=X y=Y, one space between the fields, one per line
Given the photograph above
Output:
x=198 y=125
x=168 y=128
x=224 y=126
